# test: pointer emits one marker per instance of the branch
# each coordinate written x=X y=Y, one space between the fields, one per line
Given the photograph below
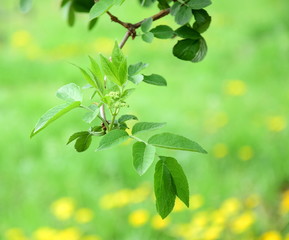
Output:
x=155 y=17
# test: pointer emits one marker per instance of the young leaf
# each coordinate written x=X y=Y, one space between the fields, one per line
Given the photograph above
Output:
x=70 y=93
x=112 y=138
x=100 y=8
x=183 y=15
x=179 y=179
x=117 y=55
x=186 y=49
x=146 y=126
x=143 y=156
x=92 y=23
x=136 y=79
x=155 y=79
x=164 y=188
x=53 y=114
x=122 y=72
x=87 y=77
x=125 y=118
x=83 y=142
x=76 y=135
x=147 y=37
x=175 y=8
x=136 y=68
x=109 y=70
x=203 y=20
x=199 y=4
x=98 y=76
x=163 y=32
x=127 y=93
x=91 y=115
x=187 y=32
x=146 y=25
x=176 y=142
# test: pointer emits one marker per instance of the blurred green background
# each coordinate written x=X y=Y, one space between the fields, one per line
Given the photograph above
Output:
x=234 y=103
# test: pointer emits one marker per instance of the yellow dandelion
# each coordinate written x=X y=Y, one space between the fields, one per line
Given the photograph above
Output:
x=179 y=206
x=245 y=153
x=243 y=222
x=196 y=201
x=15 y=234
x=284 y=206
x=220 y=150
x=45 y=233
x=91 y=237
x=235 y=88
x=272 y=235
x=63 y=208
x=200 y=219
x=212 y=233
x=138 y=217
x=230 y=206
x=20 y=39
x=276 y=123
x=218 y=217
x=83 y=215
x=159 y=223
x=68 y=234
x=252 y=201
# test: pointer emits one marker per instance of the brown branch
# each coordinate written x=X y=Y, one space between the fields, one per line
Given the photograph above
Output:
x=154 y=17
x=125 y=38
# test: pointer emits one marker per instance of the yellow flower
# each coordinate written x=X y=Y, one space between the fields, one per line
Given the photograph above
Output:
x=220 y=150
x=276 y=123
x=287 y=237
x=212 y=233
x=83 y=215
x=196 y=201
x=179 y=206
x=45 y=233
x=68 y=234
x=20 y=38
x=218 y=217
x=243 y=222
x=230 y=206
x=138 y=217
x=272 y=235
x=284 y=206
x=159 y=223
x=15 y=234
x=252 y=201
x=200 y=219
x=235 y=88
x=245 y=153
x=63 y=208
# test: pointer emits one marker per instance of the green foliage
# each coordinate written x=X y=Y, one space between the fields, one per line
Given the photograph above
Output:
x=111 y=79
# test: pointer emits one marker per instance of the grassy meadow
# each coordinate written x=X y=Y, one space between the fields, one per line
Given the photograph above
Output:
x=234 y=103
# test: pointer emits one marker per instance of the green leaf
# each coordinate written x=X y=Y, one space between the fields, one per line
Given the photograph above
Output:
x=136 y=79
x=122 y=72
x=118 y=2
x=117 y=55
x=175 y=142
x=92 y=23
x=163 y=4
x=76 y=135
x=175 y=8
x=200 y=55
x=53 y=114
x=98 y=76
x=112 y=138
x=147 y=37
x=164 y=188
x=146 y=126
x=143 y=156
x=186 y=49
x=87 y=77
x=83 y=142
x=127 y=117
x=100 y=8
x=203 y=20
x=183 y=15
x=146 y=24
x=91 y=115
x=188 y=32
x=163 y=32
x=25 y=5
x=63 y=2
x=199 y=4
x=136 y=68
x=155 y=79
x=109 y=70
x=179 y=179
x=127 y=93
x=71 y=16
x=70 y=93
